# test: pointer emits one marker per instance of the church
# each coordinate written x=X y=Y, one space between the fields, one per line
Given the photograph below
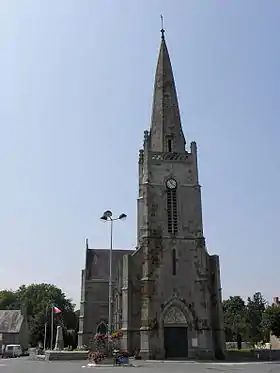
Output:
x=167 y=298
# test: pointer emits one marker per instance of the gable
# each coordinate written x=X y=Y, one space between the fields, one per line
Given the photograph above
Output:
x=97 y=266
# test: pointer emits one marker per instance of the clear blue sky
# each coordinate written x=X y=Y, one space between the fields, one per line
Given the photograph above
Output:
x=76 y=82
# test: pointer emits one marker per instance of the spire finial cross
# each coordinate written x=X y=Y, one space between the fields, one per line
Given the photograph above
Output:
x=162 y=29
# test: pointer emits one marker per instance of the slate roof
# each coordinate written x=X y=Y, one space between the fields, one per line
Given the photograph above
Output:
x=10 y=321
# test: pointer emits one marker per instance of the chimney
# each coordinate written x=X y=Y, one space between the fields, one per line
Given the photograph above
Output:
x=276 y=301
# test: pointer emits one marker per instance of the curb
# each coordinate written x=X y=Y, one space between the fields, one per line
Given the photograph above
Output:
x=171 y=361
x=90 y=365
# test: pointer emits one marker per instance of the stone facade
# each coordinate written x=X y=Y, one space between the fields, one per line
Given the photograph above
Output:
x=95 y=291
x=275 y=341
x=167 y=298
x=14 y=328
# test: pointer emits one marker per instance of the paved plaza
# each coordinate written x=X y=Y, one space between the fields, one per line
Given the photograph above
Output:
x=27 y=366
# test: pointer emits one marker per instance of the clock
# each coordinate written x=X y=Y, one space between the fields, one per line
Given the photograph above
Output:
x=171 y=184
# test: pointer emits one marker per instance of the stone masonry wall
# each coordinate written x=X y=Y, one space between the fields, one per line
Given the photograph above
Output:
x=191 y=283
x=217 y=309
x=94 y=299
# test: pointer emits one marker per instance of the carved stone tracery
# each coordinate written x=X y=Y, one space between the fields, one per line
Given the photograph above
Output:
x=175 y=316
x=157 y=156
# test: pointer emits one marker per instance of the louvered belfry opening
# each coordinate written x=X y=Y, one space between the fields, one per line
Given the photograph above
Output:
x=172 y=215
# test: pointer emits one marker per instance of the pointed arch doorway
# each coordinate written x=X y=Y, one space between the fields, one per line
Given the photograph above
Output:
x=101 y=328
x=175 y=334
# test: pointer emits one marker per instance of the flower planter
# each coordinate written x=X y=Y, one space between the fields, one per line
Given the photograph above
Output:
x=124 y=360
x=96 y=357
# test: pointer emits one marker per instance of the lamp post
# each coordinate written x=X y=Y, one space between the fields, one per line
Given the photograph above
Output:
x=108 y=216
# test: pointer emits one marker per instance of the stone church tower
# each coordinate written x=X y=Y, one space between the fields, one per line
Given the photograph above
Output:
x=171 y=278
x=168 y=292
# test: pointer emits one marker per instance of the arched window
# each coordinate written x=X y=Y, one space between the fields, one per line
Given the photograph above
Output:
x=101 y=328
x=174 y=262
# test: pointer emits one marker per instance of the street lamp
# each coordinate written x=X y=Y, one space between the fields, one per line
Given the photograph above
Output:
x=108 y=216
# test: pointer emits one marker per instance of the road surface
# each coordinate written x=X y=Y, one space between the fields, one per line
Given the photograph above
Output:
x=24 y=365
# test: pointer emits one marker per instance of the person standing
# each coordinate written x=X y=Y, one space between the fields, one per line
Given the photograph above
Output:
x=2 y=351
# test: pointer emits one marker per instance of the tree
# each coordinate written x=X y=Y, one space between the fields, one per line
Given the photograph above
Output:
x=235 y=319
x=8 y=300
x=271 y=321
x=254 y=310
x=37 y=300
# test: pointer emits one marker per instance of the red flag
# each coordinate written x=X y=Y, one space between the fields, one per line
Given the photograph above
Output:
x=56 y=310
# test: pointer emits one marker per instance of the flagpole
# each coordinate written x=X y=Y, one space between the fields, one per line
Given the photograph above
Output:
x=46 y=322
x=52 y=330
x=45 y=336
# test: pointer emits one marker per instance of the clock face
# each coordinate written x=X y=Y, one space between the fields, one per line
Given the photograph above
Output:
x=171 y=183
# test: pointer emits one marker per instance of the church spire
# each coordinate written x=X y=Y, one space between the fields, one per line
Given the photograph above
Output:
x=166 y=130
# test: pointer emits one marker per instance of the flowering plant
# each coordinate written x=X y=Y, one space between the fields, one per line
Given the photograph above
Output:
x=97 y=357
x=100 y=337
x=116 y=335
x=125 y=354
x=100 y=341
